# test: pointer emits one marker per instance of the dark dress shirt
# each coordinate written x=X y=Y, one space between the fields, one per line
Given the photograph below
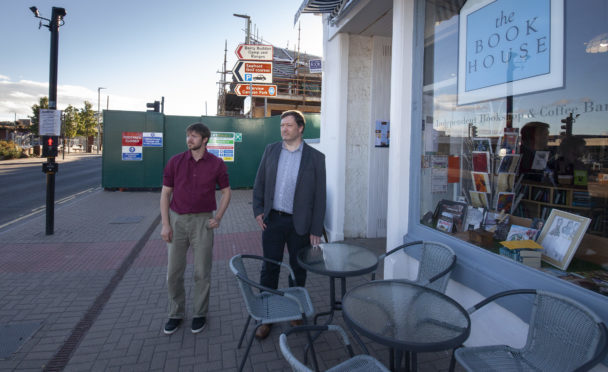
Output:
x=194 y=182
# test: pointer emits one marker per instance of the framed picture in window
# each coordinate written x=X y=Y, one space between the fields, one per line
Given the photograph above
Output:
x=445 y=223
x=561 y=236
x=456 y=210
x=540 y=160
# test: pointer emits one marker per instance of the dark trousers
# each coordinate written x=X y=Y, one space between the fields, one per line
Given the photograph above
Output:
x=280 y=231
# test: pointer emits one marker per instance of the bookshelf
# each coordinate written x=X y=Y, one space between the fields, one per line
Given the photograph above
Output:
x=538 y=200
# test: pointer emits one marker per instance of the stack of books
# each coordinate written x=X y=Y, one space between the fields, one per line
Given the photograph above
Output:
x=581 y=199
x=528 y=252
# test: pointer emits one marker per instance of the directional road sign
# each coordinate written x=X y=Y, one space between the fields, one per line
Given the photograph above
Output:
x=254 y=72
x=254 y=52
x=257 y=90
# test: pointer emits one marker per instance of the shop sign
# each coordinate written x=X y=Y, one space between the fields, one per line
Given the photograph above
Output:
x=509 y=47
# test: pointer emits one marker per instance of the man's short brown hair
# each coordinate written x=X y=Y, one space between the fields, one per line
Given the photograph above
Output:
x=200 y=129
x=297 y=116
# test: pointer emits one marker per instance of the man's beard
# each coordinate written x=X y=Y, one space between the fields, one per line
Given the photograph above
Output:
x=196 y=148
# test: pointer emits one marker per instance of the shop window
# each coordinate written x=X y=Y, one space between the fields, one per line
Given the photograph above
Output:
x=515 y=130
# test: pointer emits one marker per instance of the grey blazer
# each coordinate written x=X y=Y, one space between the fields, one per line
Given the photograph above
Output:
x=309 y=199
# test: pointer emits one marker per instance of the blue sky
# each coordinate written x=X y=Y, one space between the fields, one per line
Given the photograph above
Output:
x=138 y=50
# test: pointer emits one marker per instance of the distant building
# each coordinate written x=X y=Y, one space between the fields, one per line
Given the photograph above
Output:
x=9 y=128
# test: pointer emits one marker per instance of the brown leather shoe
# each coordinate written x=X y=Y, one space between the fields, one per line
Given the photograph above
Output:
x=263 y=331
x=297 y=322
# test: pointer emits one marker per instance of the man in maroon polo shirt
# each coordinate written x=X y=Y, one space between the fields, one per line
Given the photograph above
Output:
x=187 y=203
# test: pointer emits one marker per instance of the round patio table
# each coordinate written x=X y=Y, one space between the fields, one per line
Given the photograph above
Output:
x=406 y=317
x=337 y=261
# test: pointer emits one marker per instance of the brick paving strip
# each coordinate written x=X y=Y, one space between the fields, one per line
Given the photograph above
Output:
x=93 y=272
x=61 y=359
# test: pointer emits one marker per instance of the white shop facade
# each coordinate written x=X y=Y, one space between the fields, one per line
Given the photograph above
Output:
x=412 y=89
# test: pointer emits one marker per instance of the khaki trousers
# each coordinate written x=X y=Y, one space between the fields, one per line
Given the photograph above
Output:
x=189 y=230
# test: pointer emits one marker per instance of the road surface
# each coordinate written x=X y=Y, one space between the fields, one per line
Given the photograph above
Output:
x=23 y=185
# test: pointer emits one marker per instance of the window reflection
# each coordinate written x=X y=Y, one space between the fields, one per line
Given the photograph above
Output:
x=513 y=158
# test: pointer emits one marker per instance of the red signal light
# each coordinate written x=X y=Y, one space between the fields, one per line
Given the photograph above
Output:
x=49 y=146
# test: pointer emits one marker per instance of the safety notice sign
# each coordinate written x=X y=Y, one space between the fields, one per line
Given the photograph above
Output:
x=132 y=146
x=221 y=144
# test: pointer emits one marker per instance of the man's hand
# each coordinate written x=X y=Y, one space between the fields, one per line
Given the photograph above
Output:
x=260 y=220
x=167 y=233
x=213 y=223
x=315 y=240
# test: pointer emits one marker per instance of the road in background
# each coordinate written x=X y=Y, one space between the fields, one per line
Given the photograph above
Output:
x=23 y=185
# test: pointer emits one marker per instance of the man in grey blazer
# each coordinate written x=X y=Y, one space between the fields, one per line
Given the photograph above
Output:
x=289 y=201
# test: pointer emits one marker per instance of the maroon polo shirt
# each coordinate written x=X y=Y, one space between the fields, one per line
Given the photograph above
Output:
x=193 y=182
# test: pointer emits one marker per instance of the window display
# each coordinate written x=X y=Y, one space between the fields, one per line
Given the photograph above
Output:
x=525 y=149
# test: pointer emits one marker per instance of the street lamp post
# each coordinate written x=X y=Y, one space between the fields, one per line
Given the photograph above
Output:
x=98 y=117
x=50 y=167
x=248 y=32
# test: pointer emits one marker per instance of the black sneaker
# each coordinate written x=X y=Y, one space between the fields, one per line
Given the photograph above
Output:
x=198 y=324
x=172 y=325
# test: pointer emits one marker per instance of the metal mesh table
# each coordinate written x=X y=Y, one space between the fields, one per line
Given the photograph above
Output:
x=406 y=317
x=337 y=261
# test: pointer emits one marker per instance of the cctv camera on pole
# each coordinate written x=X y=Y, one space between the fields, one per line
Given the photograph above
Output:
x=50 y=142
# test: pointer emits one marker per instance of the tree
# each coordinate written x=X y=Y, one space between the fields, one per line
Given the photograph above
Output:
x=35 y=118
x=70 y=123
x=87 y=122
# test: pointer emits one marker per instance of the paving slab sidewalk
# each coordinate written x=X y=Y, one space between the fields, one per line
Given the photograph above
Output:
x=97 y=288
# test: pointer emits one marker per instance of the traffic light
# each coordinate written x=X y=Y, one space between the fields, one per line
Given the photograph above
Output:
x=49 y=146
x=474 y=131
x=567 y=128
x=155 y=106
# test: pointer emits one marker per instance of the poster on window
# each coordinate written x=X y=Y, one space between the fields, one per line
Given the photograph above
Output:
x=439 y=173
x=383 y=133
x=509 y=47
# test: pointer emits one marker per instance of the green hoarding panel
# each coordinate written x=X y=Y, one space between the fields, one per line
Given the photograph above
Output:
x=255 y=134
x=141 y=168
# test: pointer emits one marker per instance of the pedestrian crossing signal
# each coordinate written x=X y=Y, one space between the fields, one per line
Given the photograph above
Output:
x=49 y=146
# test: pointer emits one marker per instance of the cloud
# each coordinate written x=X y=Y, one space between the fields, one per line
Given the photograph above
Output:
x=19 y=97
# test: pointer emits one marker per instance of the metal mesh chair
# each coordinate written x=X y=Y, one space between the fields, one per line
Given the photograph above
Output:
x=362 y=362
x=563 y=335
x=269 y=305
x=436 y=263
